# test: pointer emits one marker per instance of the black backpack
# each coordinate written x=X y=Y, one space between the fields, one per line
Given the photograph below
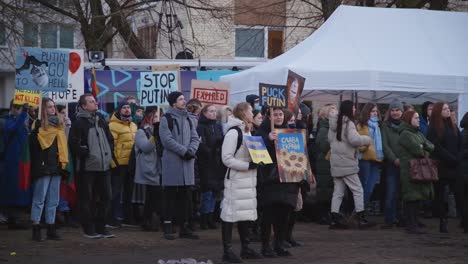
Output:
x=240 y=138
x=171 y=121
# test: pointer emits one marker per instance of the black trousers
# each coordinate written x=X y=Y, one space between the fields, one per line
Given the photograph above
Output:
x=94 y=197
x=175 y=203
x=152 y=201
x=276 y=216
x=465 y=207
x=441 y=195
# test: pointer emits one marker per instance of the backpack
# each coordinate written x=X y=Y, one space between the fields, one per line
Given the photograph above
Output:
x=171 y=121
x=133 y=154
x=240 y=138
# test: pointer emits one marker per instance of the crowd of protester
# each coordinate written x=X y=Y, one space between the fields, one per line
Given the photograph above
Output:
x=188 y=164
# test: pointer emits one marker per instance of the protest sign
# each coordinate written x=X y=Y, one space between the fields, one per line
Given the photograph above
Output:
x=257 y=149
x=33 y=98
x=291 y=155
x=273 y=95
x=295 y=86
x=75 y=80
x=156 y=86
x=208 y=92
x=42 y=69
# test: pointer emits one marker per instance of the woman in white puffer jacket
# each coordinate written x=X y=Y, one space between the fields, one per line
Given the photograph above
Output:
x=240 y=197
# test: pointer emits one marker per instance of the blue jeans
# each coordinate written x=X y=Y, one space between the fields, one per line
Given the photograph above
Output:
x=392 y=183
x=369 y=174
x=208 y=203
x=46 y=191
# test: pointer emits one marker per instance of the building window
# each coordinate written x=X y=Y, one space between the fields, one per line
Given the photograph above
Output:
x=148 y=37
x=275 y=43
x=2 y=35
x=250 y=42
x=48 y=36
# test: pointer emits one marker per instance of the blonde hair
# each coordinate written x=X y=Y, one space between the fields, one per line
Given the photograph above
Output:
x=45 y=116
x=239 y=112
x=325 y=110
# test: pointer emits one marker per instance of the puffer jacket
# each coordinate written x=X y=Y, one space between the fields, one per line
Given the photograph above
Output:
x=368 y=152
x=124 y=138
x=240 y=195
x=344 y=153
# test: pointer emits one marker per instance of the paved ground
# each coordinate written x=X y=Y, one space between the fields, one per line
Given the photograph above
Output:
x=321 y=246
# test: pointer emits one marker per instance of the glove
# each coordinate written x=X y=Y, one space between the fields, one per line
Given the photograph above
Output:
x=26 y=107
x=83 y=150
x=252 y=166
x=188 y=156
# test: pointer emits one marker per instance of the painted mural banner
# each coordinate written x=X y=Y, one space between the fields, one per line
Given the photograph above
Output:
x=273 y=95
x=75 y=80
x=42 y=69
x=257 y=149
x=292 y=156
x=295 y=85
x=156 y=86
x=209 y=92
x=33 y=98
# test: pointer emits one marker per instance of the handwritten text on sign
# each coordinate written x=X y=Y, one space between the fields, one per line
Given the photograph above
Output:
x=156 y=86
x=32 y=98
x=209 y=92
x=273 y=95
x=75 y=80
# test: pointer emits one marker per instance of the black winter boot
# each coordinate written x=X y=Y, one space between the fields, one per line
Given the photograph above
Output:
x=443 y=225
x=204 y=221
x=337 y=221
x=167 y=231
x=52 y=233
x=363 y=223
x=36 y=233
x=211 y=222
x=246 y=251
x=226 y=233
x=289 y=236
x=186 y=232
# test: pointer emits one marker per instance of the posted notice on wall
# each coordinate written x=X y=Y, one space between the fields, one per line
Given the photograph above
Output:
x=273 y=95
x=257 y=149
x=156 y=86
x=33 y=98
x=75 y=80
x=292 y=156
x=42 y=69
x=209 y=92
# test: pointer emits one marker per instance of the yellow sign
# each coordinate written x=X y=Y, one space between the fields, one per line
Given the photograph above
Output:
x=257 y=150
x=33 y=98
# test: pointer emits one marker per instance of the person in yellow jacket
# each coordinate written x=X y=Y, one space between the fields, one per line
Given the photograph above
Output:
x=123 y=130
x=371 y=156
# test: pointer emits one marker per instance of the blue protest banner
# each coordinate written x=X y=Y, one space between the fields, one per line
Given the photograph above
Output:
x=42 y=69
x=257 y=149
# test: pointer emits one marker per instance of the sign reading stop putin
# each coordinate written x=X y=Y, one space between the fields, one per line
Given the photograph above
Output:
x=208 y=92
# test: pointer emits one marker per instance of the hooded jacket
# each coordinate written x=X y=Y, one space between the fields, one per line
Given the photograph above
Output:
x=123 y=133
x=344 y=153
x=91 y=142
x=175 y=170
x=148 y=162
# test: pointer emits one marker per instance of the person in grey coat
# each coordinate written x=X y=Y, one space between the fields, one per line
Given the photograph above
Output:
x=180 y=141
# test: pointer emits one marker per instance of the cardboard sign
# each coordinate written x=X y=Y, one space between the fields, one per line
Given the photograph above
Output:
x=33 y=98
x=42 y=69
x=156 y=86
x=208 y=92
x=292 y=156
x=257 y=149
x=75 y=80
x=273 y=95
x=295 y=86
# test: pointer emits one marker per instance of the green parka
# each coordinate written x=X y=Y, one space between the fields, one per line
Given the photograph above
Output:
x=323 y=175
x=390 y=141
x=413 y=145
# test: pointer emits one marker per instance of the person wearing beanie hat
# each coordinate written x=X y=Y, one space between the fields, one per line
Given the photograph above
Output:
x=180 y=141
x=172 y=98
x=123 y=131
x=392 y=152
x=254 y=101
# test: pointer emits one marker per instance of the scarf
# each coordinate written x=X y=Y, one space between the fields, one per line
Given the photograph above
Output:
x=374 y=133
x=46 y=139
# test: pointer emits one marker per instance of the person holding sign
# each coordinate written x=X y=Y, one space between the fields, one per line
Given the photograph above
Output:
x=50 y=149
x=276 y=199
x=239 y=203
x=344 y=143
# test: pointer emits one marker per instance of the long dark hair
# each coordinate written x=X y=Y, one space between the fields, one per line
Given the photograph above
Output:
x=346 y=109
x=437 y=120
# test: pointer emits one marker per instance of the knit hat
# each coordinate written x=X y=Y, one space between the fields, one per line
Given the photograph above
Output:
x=251 y=98
x=172 y=97
x=396 y=104
x=120 y=105
x=150 y=109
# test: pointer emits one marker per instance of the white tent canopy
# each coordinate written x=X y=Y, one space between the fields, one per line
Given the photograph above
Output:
x=421 y=53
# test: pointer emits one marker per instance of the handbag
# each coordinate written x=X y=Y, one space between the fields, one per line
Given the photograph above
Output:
x=423 y=170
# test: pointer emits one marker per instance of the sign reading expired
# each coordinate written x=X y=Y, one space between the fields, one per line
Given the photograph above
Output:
x=208 y=92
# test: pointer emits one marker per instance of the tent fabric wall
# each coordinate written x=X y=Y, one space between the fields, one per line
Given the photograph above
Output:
x=373 y=49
